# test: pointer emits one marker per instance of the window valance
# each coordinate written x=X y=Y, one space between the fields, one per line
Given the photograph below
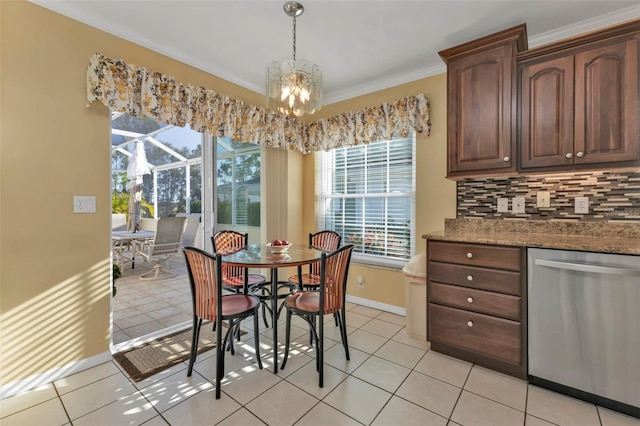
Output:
x=142 y=93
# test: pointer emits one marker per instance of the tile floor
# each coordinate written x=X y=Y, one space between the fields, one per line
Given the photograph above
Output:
x=391 y=379
x=145 y=307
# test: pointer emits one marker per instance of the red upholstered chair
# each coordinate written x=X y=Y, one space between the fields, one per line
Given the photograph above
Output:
x=205 y=276
x=328 y=241
x=312 y=305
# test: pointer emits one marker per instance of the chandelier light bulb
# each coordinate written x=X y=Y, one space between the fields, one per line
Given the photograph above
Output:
x=294 y=86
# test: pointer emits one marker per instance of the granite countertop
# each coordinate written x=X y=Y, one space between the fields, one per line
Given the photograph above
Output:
x=607 y=237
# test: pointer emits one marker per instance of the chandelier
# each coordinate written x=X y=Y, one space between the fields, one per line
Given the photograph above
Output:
x=294 y=86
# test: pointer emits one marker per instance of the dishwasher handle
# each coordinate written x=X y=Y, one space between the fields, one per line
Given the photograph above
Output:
x=608 y=270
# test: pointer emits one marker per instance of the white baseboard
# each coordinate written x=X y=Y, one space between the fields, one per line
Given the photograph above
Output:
x=377 y=305
x=19 y=386
x=150 y=337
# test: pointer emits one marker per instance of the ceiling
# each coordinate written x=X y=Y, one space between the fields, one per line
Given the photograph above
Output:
x=361 y=46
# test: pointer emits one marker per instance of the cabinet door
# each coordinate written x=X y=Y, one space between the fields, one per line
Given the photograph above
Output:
x=480 y=111
x=606 y=104
x=546 y=107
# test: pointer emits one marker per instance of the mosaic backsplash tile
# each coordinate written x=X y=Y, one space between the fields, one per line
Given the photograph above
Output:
x=613 y=196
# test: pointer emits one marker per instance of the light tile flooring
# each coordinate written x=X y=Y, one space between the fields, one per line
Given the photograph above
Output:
x=391 y=379
x=144 y=307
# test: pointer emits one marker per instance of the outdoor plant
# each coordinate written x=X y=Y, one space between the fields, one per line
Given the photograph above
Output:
x=116 y=274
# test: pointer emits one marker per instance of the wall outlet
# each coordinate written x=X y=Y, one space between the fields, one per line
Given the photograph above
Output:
x=518 y=205
x=543 y=199
x=582 y=205
x=503 y=205
x=84 y=204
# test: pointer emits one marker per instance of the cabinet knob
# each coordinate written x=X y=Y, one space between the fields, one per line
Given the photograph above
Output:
x=505 y=159
x=469 y=277
x=469 y=255
x=568 y=155
x=470 y=323
x=470 y=299
x=580 y=154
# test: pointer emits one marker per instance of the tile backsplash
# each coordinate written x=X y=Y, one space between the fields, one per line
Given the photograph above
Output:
x=612 y=196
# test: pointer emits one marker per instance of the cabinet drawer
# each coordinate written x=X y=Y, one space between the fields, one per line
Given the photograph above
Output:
x=489 y=256
x=483 y=334
x=481 y=301
x=480 y=278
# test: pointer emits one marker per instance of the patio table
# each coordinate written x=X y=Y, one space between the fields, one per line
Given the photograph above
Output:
x=121 y=244
x=259 y=256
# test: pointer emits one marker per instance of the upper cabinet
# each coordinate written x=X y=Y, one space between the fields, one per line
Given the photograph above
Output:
x=481 y=110
x=579 y=102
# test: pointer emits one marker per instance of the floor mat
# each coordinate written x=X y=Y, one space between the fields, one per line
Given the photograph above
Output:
x=152 y=357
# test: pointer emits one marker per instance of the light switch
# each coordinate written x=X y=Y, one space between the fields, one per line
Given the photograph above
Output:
x=543 y=199
x=517 y=205
x=503 y=205
x=84 y=204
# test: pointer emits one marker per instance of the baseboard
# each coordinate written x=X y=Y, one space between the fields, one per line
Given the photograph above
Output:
x=19 y=386
x=377 y=305
x=150 y=337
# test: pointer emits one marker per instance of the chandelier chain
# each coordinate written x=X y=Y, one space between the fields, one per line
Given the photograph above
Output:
x=294 y=37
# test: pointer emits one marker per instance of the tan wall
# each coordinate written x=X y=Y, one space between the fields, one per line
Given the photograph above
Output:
x=54 y=264
x=435 y=195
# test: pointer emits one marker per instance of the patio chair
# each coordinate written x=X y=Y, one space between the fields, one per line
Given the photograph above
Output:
x=313 y=305
x=166 y=243
x=205 y=276
x=191 y=229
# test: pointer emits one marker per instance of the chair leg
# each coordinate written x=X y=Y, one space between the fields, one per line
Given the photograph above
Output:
x=195 y=334
x=256 y=336
x=321 y=348
x=287 y=340
x=343 y=332
x=219 y=360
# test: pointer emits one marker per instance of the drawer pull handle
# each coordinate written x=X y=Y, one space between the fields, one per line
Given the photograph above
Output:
x=580 y=154
x=470 y=299
x=470 y=323
x=469 y=277
x=506 y=159
x=469 y=255
x=568 y=155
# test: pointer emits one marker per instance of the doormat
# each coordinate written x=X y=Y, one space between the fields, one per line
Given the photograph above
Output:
x=152 y=357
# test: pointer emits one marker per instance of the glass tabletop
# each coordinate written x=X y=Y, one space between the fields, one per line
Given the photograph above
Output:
x=259 y=255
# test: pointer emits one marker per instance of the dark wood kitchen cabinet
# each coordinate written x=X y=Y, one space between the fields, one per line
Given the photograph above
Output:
x=579 y=102
x=476 y=304
x=481 y=104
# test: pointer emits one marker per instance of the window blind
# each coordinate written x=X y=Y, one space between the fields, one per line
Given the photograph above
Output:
x=366 y=193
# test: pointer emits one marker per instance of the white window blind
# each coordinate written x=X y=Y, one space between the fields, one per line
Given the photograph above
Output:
x=366 y=193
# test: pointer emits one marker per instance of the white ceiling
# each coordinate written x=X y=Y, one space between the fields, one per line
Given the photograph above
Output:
x=361 y=46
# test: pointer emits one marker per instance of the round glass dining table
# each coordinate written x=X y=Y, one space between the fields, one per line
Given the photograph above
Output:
x=261 y=256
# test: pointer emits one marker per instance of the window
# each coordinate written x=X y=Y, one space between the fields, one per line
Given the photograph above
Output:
x=366 y=193
x=238 y=183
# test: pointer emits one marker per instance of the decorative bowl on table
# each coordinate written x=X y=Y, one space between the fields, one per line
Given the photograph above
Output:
x=278 y=247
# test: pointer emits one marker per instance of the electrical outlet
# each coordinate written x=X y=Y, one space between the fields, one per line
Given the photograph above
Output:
x=582 y=205
x=503 y=205
x=518 y=205
x=84 y=204
x=543 y=199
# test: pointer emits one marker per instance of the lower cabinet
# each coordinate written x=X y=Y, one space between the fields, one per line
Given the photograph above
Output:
x=476 y=304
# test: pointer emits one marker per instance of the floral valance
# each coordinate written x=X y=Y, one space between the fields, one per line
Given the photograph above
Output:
x=143 y=93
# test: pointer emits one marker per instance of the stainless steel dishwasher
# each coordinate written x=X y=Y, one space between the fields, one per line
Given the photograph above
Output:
x=584 y=326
